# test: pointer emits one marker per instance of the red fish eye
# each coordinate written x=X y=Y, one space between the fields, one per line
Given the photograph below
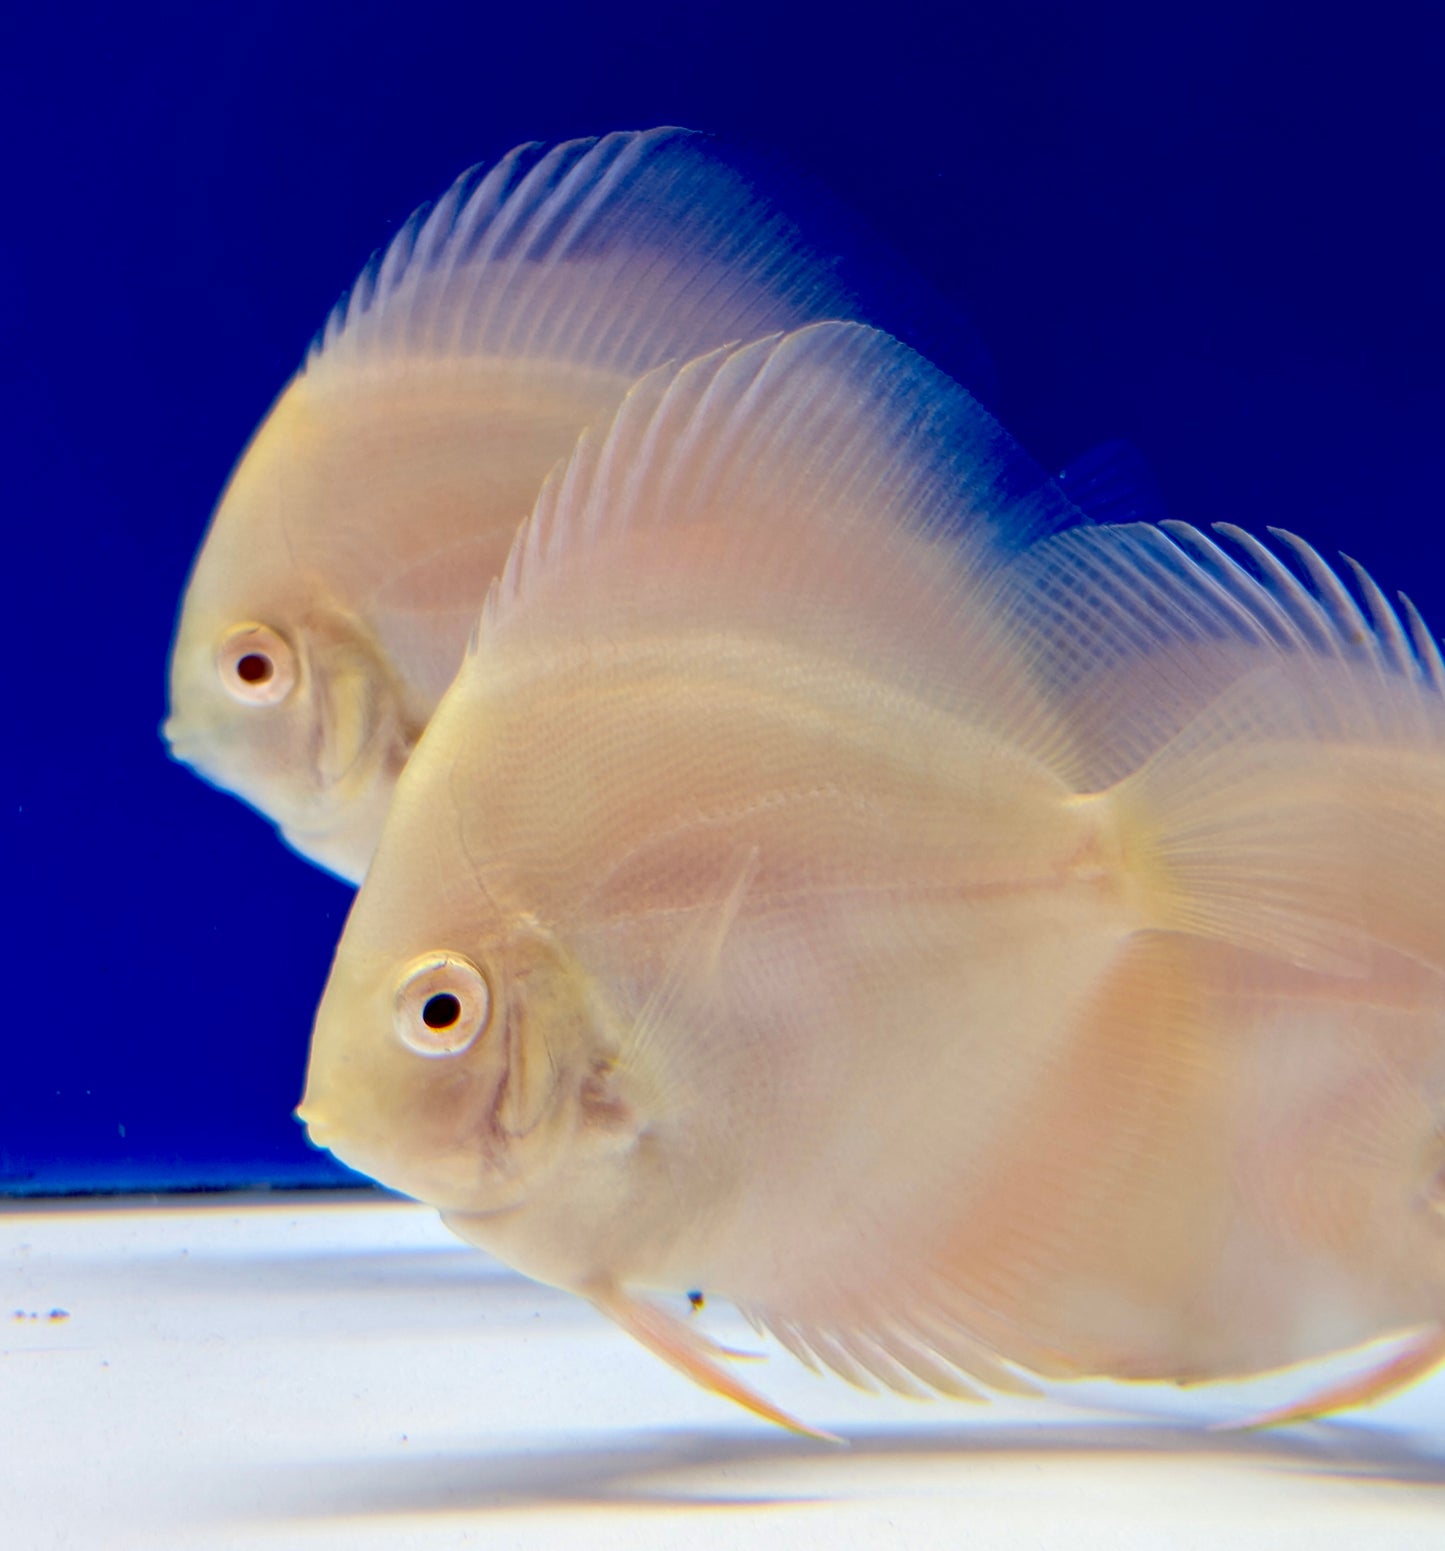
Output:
x=257 y=666
x=442 y=1004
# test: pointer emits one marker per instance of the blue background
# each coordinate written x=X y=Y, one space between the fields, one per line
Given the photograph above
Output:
x=1213 y=231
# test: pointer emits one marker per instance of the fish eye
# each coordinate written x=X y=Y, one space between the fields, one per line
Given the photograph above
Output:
x=256 y=665
x=443 y=1002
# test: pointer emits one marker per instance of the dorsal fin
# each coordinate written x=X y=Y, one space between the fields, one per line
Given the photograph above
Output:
x=828 y=484
x=1141 y=627
x=833 y=433
x=614 y=253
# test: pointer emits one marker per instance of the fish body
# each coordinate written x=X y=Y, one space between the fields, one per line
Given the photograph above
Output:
x=806 y=893
x=331 y=601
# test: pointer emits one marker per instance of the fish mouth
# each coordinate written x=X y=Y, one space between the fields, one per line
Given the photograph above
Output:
x=177 y=745
x=318 y=1134
x=193 y=754
x=371 y=1157
x=191 y=750
x=311 y=1117
x=346 y=1148
x=358 y=1147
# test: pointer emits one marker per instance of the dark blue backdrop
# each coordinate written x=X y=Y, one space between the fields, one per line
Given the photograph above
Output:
x=1215 y=232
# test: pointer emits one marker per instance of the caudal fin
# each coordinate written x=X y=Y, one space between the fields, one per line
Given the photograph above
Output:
x=1302 y=816
x=1286 y=791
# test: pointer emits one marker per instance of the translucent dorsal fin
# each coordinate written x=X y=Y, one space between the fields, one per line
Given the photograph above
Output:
x=1141 y=627
x=826 y=492
x=804 y=448
x=1328 y=619
x=613 y=253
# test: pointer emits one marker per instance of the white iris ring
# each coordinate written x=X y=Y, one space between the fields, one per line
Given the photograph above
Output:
x=256 y=665
x=443 y=1003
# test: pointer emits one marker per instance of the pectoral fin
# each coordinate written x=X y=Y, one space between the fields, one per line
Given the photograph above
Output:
x=673 y=1007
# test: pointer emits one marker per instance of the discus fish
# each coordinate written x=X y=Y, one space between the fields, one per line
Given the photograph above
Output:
x=330 y=603
x=979 y=945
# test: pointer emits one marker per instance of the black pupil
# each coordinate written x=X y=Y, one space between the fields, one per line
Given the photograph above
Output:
x=254 y=668
x=441 y=1011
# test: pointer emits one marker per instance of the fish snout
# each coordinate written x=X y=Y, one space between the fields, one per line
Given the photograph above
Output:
x=185 y=745
x=173 y=738
x=318 y=1133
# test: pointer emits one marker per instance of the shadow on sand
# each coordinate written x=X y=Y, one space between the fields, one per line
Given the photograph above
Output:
x=729 y=1469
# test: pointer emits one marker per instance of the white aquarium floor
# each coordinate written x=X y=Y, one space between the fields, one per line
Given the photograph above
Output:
x=310 y=1375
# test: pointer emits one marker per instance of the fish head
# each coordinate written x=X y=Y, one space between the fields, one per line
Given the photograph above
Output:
x=300 y=719
x=278 y=692
x=455 y=1059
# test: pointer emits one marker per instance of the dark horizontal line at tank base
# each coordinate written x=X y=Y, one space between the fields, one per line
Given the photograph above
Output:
x=202 y=1198
x=182 y=1186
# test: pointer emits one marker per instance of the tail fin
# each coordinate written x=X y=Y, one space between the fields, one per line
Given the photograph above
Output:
x=1302 y=815
x=1286 y=790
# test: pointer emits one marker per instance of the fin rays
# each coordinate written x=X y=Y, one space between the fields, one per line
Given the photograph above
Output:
x=614 y=254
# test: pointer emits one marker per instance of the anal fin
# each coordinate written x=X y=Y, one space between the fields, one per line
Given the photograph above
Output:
x=1424 y=1351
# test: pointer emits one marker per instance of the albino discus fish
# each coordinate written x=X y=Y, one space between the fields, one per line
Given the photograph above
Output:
x=973 y=963
x=331 y=601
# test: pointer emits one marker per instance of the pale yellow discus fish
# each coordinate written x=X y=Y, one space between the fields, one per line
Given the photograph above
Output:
x=973 y=963
x=331 y=602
